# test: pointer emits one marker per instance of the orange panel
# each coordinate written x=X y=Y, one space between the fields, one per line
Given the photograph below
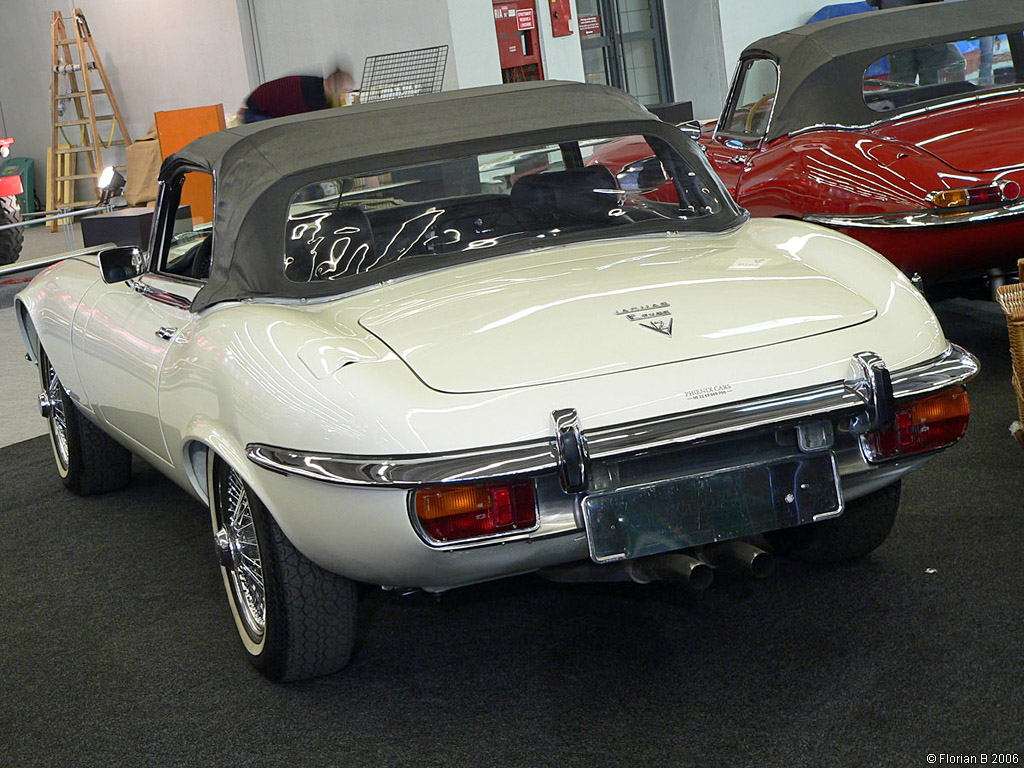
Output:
x=176 y=128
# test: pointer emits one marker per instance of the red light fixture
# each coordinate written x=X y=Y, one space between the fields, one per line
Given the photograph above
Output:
x=999 y=192
x=459 y=513
x=923 y=425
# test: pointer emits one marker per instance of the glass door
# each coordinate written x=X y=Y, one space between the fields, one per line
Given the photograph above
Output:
x=623 y=44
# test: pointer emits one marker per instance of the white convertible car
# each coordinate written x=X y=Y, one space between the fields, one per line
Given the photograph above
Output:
x=426 y=343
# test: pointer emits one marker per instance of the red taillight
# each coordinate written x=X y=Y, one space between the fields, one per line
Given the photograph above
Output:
x=923 y=425
x=475 y=511
x=1000 y=192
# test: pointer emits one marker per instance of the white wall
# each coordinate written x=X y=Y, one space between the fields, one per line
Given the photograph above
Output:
x=158 y=54
x=561 y=56
x=696 y=54
x=744 y=21
x=311 y=36
x=474 y=43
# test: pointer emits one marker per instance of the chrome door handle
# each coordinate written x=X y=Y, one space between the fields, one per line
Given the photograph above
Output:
x=166 y=333
x=737 y=159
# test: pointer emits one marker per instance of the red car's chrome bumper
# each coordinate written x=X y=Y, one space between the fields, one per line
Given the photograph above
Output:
x=941 y=245
x=914 y=219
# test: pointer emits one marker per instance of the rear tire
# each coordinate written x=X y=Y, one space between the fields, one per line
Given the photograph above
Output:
x=295 y=619
x=88 y=460
x=863 y=526
x=10 y=239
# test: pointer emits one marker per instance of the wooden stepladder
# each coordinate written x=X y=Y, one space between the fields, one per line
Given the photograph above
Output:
x=73 y=101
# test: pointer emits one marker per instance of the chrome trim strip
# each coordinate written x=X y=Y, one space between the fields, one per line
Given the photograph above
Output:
x=894 y=115
x=910 y=219
x=836 y=400
x=409 y=471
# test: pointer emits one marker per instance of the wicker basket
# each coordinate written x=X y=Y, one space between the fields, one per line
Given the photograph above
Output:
x=1011 y=299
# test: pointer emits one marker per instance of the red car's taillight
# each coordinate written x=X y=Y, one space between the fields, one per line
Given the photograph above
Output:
x=923 y=425
x=1000 y=192
x=474 y=511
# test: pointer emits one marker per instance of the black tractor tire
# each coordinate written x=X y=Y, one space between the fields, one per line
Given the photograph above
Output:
x=863 y=526
x=295 y=619
x=10 y=239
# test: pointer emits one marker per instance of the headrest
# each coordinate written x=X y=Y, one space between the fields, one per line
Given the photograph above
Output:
x=328 y=245
x=561 y=198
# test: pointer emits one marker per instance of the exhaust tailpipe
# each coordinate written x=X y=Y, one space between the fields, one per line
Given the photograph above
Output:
x=675 y=567
x=741 y=554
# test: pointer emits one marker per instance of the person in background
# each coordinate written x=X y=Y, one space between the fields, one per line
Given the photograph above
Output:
x=924 y=66
x=296 y=94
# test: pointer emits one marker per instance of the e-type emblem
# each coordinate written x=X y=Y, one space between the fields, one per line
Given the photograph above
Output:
x=656 y=317
x=660 y=326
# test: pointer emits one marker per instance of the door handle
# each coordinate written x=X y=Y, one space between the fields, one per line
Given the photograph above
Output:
x=737 y=159
x=166 y=333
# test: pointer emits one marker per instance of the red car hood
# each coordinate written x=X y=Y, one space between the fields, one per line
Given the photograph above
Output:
x=974 y=138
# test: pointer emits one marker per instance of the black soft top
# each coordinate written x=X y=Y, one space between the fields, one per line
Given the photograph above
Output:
x=822 y=65
x=257 y=167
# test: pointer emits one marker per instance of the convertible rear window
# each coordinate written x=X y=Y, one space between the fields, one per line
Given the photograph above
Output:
x=492 y=203
x=959 y=67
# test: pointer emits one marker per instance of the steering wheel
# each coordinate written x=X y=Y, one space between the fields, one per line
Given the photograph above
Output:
x=748 y=124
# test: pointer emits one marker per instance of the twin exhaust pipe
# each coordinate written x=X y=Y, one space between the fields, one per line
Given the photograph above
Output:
x=697 y=572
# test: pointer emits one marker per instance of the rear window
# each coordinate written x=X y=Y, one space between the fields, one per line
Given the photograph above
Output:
x=426 y=215
x=955 y=68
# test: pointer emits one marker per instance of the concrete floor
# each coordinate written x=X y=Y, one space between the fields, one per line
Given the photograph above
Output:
x=19 y=380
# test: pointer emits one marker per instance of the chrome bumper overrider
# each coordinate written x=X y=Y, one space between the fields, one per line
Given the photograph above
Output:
x=909 y=219
x=854 y=397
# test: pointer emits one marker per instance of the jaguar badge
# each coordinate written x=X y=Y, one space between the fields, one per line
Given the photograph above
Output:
x=656 y=317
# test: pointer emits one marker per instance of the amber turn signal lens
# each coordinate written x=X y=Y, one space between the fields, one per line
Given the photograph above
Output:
x=923 y=425
x=475 y=511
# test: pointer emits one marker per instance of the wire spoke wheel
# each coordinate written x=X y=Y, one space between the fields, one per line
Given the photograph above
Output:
x=56 y=415
x=295 y=619
x=88 y=460
x=245 y=570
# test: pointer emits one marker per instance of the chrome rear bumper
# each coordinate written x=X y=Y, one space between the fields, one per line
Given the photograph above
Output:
x=834 y=401
x=934 y=217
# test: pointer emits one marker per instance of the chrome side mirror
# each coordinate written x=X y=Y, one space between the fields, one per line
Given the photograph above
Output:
x=691 y=128
x=121 y=263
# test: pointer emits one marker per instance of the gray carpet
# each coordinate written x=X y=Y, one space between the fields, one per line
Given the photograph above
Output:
x=117 y=648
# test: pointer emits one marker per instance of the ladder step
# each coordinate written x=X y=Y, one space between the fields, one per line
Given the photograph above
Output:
x=84 y=121
x=76 y=177
x=78 y=94
x=69 y=41
x=87 y=147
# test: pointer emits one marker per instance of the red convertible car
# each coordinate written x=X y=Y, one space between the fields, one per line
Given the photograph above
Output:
x=901 y=128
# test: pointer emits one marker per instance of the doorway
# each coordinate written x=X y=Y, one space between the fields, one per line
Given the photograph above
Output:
x=623 y=44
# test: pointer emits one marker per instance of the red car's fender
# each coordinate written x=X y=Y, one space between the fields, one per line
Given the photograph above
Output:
x=838 y=172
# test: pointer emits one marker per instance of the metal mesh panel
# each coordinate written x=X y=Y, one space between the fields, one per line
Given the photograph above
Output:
x=405 y=73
